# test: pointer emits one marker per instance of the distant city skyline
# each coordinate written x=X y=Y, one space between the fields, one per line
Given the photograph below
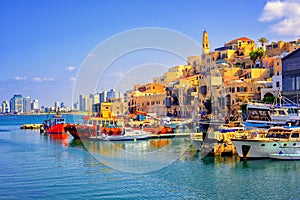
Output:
x=44 y=43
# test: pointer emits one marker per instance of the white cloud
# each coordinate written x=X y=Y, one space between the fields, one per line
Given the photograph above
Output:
x=285 y=14
x=118 y=74
x=48 y=78
x=37 y=79
x=20 y=78
x=70 y=68
x=72 y=79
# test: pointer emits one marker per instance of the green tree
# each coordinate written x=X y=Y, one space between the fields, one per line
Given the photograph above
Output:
x=257 y=54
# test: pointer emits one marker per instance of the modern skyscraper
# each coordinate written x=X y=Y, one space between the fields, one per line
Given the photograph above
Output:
x=27 y=104
x=5 y=107
x=103 y=96
x=56 y=106
x=17 y=103
x=35 y=104
x=85 y=103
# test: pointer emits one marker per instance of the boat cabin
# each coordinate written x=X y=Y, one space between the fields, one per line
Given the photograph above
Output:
x=59 y=120
x=258 y=112
x=105 y=122
x=282 y=133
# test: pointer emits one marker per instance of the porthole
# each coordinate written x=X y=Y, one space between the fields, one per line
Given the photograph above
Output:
x=284 y=145
x=274 y=145
x=294 y=144
x=262 y=145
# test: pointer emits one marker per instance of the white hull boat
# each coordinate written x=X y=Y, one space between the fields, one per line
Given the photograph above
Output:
x=273 y=142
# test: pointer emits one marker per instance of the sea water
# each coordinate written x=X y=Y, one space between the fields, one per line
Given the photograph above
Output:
x=32 y=166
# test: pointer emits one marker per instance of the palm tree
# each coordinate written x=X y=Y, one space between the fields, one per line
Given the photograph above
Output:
x=263 y=41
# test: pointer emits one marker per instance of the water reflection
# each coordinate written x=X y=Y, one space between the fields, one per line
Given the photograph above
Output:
x=139 y=156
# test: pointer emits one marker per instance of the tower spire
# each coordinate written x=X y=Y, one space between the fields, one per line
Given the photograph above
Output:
x=205 y=43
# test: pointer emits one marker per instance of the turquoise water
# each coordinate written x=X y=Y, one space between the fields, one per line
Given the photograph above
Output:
x=33 y=166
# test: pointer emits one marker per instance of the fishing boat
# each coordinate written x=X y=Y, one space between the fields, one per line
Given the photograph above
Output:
x=104 y=122
x=56 y=127
x=262 y=145
x=127 y=134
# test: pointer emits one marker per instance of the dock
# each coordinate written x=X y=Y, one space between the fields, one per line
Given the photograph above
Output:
x=31 y=126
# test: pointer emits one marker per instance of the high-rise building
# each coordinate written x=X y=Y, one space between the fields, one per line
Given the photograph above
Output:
x=75 y=106
x=56 y=106
x=62 y=105
x=35 y=104
x=95 y=98
x=5 y=107
x=85 y=103
x=16 y=103
x=27 y=104
x=113 y=94
x=103 y=96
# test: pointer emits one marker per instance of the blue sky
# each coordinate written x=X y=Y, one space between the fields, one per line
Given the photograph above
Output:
x=44 y=43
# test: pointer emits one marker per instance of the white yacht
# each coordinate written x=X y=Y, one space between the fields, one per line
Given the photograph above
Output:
x=272 y=142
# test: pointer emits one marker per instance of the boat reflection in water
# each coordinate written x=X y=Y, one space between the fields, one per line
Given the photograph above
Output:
x=139 y=156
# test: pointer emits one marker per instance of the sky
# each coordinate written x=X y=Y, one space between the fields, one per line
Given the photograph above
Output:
x=44 y=44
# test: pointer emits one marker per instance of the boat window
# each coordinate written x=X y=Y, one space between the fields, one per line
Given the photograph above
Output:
x=284 y=144
x=277 y=135
x=294 y=144
x=281 y=112
x=274 y=145
x=262 y=145
x=90 y=123
x=295 y=135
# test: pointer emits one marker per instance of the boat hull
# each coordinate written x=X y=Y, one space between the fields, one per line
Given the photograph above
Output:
x=255 y=149
x=57 y=131
x=285 y=156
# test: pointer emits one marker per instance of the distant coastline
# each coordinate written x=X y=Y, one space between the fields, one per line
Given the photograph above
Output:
x=52 y=113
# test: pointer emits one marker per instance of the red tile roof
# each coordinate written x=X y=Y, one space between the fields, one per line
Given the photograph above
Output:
x=242 y=38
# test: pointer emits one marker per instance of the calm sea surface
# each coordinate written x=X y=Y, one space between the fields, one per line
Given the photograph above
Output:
x=33 y=166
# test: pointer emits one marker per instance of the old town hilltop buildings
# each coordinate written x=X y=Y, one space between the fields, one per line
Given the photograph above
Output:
x=219 y=81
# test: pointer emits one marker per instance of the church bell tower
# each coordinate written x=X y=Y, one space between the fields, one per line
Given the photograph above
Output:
x=205 y=43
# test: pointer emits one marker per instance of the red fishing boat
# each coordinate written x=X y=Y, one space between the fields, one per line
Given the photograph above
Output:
x=56 y=127
x=104 y=122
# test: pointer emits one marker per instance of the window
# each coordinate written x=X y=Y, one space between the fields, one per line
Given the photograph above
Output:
x=295 y=135
x=277 y=84
x=271 y=71
x=288 y=83
x=297 y=82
